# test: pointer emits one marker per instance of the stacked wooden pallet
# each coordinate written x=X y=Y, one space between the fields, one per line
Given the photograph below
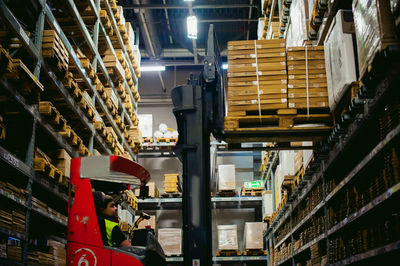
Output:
x=54 y=50
x=135 y=137
x=114 y=67
x=14 y=253
x=42 y=165
x=12 y=219
x=172 y=185
x=53 y=116
x=307 y=78
x=10 y=188
x=58 y=121
x=15 y=70
x=257 y=79
x=40 y=258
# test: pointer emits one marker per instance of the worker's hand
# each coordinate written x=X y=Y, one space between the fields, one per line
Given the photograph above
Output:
x=126 y=243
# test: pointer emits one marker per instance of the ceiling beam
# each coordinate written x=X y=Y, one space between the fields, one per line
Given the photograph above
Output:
x=144 y=6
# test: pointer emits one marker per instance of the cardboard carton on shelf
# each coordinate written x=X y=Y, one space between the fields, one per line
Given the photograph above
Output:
x=253 y=235
x=62 y=161
x=226 y=177
x=150 y=192
x=227 y=237
x=170 y=240
x=375 y=29
x=340 y=56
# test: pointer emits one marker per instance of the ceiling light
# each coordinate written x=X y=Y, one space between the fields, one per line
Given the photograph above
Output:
x=192 y=27
x=224 y=66
x=188 y=0
x=152 y=68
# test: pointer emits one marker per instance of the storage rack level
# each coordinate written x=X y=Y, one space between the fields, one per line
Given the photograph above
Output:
x=353 y=129
x=217 y=202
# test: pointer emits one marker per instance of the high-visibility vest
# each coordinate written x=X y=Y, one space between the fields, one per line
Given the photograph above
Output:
x=109 y=228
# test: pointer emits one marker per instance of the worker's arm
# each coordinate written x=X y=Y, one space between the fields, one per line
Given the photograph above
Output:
x=119 y=238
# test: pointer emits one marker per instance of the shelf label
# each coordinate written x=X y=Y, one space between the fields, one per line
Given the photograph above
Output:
x=11 y=159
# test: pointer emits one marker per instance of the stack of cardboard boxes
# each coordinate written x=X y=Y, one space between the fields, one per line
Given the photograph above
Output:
x=307 y=77
x=257 y=77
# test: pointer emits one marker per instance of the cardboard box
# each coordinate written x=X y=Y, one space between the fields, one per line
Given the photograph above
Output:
x=227 y=237
x=170 y=240
x=340 y=57
x=307 y=154
x=62 y=161
x=375 y=29
x=253 y=235
x=226 y=177
x=298 y=161
x=153 y=191
x=151 y=223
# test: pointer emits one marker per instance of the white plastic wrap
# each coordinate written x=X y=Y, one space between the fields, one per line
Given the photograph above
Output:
x=253 y=235
x=170 y=240
x=374 y=26
x=227 y=237
x=163 y=128
x=158 y=134
x=146 y=125
x=226 y=177
x=339 y=57
x=278 y=185
x=131 y=34
x=260 y=28
x=286 y=159
x=121 y=15
x=307 y=154
x=267 y=204
x=297 y=32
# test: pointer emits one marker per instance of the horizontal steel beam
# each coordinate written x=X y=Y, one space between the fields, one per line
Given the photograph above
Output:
x=186 y=7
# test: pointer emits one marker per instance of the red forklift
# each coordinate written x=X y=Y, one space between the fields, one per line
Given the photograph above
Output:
x=85 y=246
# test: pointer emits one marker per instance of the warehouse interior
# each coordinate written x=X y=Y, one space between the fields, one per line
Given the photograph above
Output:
x=193 y=132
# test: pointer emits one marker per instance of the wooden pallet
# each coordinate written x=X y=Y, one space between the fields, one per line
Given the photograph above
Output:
x=226 y=193
x=350 y=94
x=299 y=176
x=148 y=140
x=27 y=82
x=283 y=119
x=172 y=195
x=54 y=117
x=54 y=50
x=254 y=252
x=167 y=140
x=255 y=192
x=228 y=253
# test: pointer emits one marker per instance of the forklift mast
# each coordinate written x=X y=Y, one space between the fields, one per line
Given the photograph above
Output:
x=199 y=111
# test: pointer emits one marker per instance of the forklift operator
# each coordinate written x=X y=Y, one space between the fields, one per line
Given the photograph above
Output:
x=107 y=216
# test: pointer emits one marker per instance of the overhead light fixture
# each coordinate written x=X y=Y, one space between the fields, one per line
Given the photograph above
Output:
x=224 y=66
x=192 y=27
x=188 y=0
x=152 y=68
